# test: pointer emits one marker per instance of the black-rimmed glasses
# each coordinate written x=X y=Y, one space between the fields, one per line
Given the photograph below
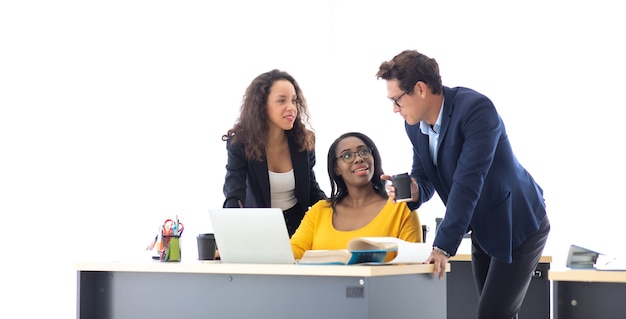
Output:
x=395 y=101
x=349 y=156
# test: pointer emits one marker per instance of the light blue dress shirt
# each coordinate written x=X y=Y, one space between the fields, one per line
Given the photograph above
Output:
x=433 y=135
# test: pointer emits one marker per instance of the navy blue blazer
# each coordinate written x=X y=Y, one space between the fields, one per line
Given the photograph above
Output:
x=248 y=181
x=483 y=186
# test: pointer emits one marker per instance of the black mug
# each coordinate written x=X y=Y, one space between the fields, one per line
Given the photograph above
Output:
x=402 y=183
x=206 y=246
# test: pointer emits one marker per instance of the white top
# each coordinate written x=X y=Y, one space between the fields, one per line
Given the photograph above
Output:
x=283 y=189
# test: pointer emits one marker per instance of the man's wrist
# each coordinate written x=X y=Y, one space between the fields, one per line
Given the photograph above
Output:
x=441 y=251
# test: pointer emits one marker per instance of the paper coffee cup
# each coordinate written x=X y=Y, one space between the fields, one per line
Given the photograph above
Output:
x=402 y=183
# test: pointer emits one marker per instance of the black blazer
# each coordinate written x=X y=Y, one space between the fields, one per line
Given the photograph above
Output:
x=484 y=187
x=248 y=181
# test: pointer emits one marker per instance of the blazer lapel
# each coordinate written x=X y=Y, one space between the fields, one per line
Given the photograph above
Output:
x=262 y=176
x=300 y=163
x=448 y=108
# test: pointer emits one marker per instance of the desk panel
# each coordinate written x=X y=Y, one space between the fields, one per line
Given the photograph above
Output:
x=589 y=294
x=135 y=294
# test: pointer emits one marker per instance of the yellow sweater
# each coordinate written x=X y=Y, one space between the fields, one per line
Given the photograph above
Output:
x=316 y=230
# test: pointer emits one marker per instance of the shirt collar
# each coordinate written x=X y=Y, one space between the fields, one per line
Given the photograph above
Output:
x=425 y=128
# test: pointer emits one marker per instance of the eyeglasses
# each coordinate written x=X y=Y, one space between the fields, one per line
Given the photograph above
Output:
x=395 y=101
x=349 y=156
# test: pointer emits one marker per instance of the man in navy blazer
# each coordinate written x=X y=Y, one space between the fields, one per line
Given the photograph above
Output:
x=461 y=151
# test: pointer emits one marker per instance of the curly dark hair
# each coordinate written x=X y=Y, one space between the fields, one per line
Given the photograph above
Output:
x=251 y=127
x=338 y=189
x=410 y=67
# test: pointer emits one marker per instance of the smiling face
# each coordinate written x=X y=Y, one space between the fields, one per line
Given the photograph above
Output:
x=355 y=163
x=281 y=105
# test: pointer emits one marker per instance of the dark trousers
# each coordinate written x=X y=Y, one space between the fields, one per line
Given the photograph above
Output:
x=501 y=286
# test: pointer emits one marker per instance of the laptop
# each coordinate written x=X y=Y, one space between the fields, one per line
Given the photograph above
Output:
x=251 y=235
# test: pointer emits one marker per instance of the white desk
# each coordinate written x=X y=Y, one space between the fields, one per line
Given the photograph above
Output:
x=588 y=293
x=151 y=289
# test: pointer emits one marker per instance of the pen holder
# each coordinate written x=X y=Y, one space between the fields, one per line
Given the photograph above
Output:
x=170 y=250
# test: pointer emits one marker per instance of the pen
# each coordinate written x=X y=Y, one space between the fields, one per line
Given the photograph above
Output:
x=151 y=245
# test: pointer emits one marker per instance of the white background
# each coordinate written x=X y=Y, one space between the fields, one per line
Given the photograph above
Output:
x=111 y=112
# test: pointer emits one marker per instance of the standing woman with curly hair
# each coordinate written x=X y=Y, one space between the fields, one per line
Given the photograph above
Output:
x=271 y=150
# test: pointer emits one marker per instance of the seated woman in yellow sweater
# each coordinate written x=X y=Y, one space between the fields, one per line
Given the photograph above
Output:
x=358 y=205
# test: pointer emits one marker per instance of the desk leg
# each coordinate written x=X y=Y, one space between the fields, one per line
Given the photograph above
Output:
x=93 y=295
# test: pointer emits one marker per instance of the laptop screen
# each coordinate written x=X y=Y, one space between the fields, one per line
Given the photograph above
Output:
x=251 y=235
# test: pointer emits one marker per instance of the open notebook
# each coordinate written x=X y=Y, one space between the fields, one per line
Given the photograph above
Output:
x=251 y=235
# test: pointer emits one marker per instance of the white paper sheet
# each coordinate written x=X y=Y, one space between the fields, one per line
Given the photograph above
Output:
x=408 y=253
x=605 y=262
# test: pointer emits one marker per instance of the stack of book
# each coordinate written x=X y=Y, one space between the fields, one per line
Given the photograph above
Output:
x=370 y=250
